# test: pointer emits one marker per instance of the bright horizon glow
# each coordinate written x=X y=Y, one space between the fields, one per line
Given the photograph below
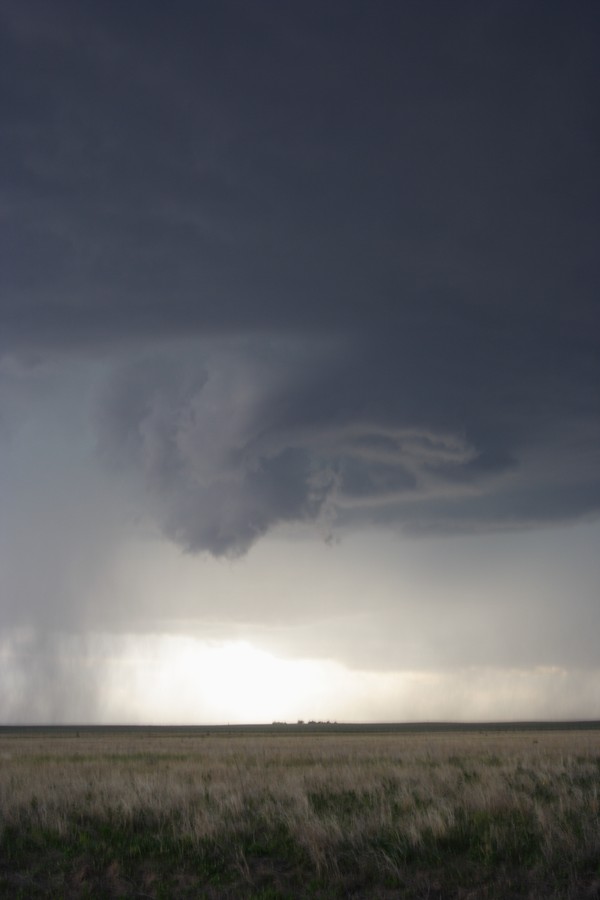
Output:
x=179 y=680
x=193 y=640
x=184 y=679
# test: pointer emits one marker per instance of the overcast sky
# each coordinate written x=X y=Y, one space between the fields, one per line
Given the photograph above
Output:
x=299 y=360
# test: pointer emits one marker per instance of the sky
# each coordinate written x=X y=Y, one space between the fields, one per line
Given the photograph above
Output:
x=299 y=361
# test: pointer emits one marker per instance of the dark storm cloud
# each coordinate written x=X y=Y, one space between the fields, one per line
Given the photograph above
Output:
x=234 y=440
x=233 y=166
x=201 y=433
x=415 y=185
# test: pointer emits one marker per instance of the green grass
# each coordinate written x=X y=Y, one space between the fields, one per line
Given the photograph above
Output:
x=436 y=815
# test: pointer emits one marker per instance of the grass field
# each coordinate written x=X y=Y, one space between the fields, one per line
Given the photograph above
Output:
x=300 y=812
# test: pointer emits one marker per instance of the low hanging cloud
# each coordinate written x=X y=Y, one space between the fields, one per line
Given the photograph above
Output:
x=230 y=442
x=223 y=467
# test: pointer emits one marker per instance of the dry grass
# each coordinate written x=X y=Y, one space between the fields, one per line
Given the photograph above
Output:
x=363 y=815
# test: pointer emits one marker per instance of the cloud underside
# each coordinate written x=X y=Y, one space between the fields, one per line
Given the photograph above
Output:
x=228 y=443
x=350 y=256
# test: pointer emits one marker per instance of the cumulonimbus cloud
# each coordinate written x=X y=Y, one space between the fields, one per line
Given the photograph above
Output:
x=228 y=445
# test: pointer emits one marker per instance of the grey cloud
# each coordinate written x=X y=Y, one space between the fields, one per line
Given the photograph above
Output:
x=233 y=167
x=228 y=515
x=230 y=442
x=196 y=432
x=419 y=190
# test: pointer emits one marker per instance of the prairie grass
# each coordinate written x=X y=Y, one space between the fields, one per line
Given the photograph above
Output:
x=444 y=815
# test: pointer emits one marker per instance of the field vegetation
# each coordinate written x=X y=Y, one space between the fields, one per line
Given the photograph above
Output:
x=101 y=813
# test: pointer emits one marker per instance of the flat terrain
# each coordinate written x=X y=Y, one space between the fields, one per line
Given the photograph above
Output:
x=301 y=811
